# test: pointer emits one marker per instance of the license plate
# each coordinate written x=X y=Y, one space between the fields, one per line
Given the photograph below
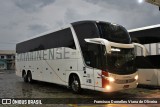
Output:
x=126 y=86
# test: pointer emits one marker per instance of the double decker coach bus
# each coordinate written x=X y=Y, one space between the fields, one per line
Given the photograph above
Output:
x=149 y=66
x=92 y=55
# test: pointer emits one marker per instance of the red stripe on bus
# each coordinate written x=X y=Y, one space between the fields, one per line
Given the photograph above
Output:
x=104 y=81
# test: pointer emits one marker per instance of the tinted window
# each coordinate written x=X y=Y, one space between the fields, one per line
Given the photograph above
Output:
x=94 y=55
x=146 y=36
x=148 y=62
x=146 y=40
x=114 y=33
x=83 y=31
x=62 y=38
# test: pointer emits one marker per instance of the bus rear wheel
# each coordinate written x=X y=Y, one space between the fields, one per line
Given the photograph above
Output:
x=29 y=77
x=75 y=84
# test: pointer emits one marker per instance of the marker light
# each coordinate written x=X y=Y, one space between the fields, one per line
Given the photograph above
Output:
x=140 y=1
x=115 y=49
x=108 y=87
x=136 y=77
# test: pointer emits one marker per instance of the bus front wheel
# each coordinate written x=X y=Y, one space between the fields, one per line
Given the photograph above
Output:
x=75 y=84
x=24 y=75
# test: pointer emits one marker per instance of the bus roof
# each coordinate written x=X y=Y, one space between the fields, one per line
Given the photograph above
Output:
x=44 y=33
x=61 y=28
x=54 y=30
x=144 y=28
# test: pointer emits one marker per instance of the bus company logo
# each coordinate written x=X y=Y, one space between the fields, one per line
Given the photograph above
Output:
x=6 y=101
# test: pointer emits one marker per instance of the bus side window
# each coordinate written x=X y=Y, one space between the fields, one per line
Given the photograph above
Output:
x=72 y=45
x=92 y=55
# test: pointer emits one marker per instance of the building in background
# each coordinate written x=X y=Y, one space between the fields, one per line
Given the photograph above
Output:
x=7 y=59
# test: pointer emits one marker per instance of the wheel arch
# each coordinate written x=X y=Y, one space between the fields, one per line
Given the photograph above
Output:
x=70 y=77
x=29 y=71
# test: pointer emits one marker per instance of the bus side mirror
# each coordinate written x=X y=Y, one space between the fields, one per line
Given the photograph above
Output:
x=100 y=41
x=140 y=50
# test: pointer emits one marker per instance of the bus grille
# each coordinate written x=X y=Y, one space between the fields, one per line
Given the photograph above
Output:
x=118 y=81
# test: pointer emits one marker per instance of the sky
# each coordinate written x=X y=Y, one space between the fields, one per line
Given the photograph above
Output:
x=23 y=19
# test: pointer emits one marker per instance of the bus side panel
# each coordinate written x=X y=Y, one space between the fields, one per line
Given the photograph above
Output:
x=18 y=69
x=54 y=71
x=148 y=76
x=46 y=72
x=20 y=66
x=81 y=67
x=34 y=67
x=86 y=75
x=71 y=67
x=57 y=70
x=158 y=70
x=98 y=79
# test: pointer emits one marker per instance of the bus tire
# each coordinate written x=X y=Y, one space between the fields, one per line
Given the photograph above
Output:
x=24 y=76
x=75 y=84
x=29 y=77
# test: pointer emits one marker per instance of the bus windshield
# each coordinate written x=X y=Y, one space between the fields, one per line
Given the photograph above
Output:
x=121 y=61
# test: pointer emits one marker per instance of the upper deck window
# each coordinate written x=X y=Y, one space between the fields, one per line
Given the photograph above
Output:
x=114 y=33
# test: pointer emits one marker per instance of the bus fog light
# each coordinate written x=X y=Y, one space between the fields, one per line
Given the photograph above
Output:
x=108 y=87
x=136 y=77
x=111 y=79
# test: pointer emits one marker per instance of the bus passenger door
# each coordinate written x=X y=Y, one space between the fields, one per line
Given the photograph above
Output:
x=92 y=57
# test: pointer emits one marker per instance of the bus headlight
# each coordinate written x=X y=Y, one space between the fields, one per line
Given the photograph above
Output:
x=111 y=79
x=136 y=77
